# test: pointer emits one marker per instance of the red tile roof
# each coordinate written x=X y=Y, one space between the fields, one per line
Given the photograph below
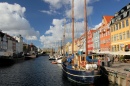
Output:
x=108 y=18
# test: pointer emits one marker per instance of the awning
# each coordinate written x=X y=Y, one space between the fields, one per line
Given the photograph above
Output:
x=104 y=52
x=120 y=53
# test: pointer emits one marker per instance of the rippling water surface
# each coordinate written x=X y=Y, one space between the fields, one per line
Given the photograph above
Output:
x=34 y=72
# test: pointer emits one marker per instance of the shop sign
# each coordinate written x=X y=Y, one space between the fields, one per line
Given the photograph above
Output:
x=122 y=45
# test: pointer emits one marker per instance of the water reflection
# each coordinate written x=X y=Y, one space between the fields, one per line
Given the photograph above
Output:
x=34 y=72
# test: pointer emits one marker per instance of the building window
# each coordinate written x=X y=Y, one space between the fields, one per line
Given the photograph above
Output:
x=128 y=34
x=116 y=26
x=117 y=37
x=127 y=22
x=108 y=40
x=111 y=29
x=114 y=47
x=114 y=37
x=120 y=36
x=101 y=35
x=123 y=35
x=123 y=24
x=117 y=47
x=106 y=33
x=119 y=25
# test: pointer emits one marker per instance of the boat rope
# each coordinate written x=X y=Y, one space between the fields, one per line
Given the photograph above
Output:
x=81 y=45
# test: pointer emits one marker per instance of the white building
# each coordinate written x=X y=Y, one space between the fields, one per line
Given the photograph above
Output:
x=10 y=44
x=4 y=42
x=19 y=45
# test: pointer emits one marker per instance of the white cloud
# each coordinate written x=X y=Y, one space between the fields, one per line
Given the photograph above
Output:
x=45 y=11
x=97 y=26
x=50 y=12
x=13 y=22
x=56 y=4
x=79 y=9
x=55 y=33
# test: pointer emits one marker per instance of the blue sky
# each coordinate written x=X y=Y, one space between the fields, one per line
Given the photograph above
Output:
x=41 y=21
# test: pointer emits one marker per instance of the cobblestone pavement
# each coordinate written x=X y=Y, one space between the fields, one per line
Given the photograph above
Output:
x=120 y=68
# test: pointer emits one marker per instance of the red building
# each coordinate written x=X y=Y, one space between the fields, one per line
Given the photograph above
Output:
x=90 y=41
x=105 y=34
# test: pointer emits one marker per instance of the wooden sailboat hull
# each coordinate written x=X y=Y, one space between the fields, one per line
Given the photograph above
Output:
x=82 y=77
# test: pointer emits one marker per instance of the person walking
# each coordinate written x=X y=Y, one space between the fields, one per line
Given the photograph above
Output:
x=112 y=59
x=108 y=61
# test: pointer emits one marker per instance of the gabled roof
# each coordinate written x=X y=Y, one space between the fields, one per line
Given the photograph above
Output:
x=91 y=31
x=107 y=18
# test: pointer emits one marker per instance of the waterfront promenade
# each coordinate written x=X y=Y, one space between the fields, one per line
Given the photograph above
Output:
x=119 y=74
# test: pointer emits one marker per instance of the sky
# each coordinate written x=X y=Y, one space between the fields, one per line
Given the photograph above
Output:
x=43 y=22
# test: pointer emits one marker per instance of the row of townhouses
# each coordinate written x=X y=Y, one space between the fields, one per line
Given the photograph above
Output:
x=9 y=44
x=112 y=36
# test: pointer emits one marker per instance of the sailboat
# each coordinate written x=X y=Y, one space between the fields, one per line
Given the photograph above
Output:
x=75 y=72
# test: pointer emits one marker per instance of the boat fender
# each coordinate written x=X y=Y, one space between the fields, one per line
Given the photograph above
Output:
x=99 y=62
x=87 y=66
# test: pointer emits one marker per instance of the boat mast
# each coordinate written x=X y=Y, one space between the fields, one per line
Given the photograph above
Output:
x=61 y=46
x=85 y=27
x=64 y=38
x=72 y=26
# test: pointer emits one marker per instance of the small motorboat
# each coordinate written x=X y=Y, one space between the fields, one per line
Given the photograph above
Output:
x=54 y=62
x=52 y=58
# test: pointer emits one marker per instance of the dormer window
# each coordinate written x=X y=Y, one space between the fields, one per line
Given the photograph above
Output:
x=123 y=24
x=118 y=18
x=113 y=20
x=127 y=22
x=119 y=25
x=122 y=10
x=124 y=14
x=116 y=26
x=128 y=6
x=116 y=14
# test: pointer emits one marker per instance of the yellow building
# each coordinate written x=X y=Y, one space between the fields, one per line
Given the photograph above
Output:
x=120 y=30
x=75 y=46
x=67 y=47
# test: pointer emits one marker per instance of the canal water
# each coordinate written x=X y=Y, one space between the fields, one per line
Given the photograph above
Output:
x=33 y=72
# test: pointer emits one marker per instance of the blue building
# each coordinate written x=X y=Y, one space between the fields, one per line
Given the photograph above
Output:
x=96 y=41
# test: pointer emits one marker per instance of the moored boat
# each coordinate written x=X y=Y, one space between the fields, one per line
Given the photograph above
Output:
x=52 y=57
x=79 y=68
x=30 y=55
x=54 y=62
x=84 y=75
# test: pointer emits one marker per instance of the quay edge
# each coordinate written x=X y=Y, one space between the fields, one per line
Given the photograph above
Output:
x=118 y=75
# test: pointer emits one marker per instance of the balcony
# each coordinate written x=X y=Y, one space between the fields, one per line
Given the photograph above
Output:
x=104 y=31
x=100 y=31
